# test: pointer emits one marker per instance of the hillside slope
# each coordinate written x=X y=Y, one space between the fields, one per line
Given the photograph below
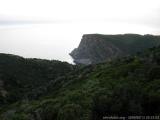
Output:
x=97 y=48
x=122 y=87
x=22 y=78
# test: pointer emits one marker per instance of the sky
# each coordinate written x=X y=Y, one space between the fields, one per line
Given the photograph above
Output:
x=51 y=29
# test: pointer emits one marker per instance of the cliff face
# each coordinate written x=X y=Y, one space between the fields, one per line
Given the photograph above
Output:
x=96 y=48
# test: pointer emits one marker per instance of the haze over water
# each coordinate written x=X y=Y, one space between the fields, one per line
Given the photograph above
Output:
x=54 y=31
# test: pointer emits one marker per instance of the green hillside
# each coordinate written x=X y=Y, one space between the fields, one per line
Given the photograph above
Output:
x=133 y=43
x=99 y=48
x=23 y=78
x=123 y=87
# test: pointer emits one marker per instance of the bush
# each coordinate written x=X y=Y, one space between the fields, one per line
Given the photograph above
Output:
x=70 y=112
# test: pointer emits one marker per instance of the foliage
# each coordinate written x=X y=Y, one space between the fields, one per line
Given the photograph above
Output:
x=122 y=87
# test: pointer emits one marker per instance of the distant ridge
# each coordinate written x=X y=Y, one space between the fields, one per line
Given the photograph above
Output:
x=98 y=48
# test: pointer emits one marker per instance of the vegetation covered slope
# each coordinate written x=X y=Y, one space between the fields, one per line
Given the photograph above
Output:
x=97 y=48
x=22 y=78
x=123 y=87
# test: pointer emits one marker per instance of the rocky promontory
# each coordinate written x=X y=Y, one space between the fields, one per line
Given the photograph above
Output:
x=97 y=48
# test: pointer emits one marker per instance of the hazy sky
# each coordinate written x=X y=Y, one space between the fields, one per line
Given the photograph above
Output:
x=52 y=28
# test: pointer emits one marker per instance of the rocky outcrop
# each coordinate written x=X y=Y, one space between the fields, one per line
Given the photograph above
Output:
x=97 y=48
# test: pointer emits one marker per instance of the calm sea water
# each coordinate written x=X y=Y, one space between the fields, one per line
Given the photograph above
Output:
x=55 y=41
x=46 y=41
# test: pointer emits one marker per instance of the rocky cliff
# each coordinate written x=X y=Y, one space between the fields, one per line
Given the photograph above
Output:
x=97 y=48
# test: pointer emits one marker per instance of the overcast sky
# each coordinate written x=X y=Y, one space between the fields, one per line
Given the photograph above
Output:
x=51 y=29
